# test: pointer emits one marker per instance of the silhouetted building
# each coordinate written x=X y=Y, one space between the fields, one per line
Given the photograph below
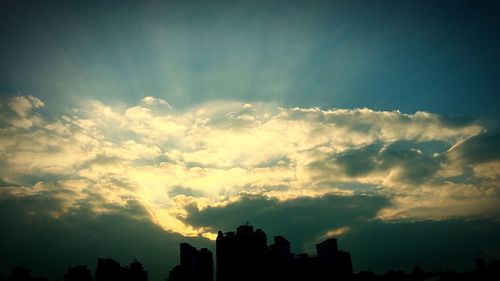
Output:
x=194 y=265
x=479 y=264
x=332 y=261
x=136 y=272
x=110 y=270
x=281 y=247
x=20 y=273
x=280 y=265
x=78 y=273
x=241 y=255
x=245 y=256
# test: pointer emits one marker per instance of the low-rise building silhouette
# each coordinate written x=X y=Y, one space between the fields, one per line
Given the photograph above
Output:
x=21 y=273
x=78 y=273
x=136 y=272
x=278 y=263
x=110 y=270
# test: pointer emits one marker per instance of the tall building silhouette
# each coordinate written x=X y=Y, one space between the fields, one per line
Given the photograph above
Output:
x=281 y=248
x=332 y=261
x=244 y=255
x=281 y=260
x=195 y=265
x=241 y=255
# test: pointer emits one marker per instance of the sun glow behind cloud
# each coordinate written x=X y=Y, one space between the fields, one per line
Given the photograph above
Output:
x=212 y=155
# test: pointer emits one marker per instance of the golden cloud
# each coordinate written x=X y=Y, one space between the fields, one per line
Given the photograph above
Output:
x=221 y=150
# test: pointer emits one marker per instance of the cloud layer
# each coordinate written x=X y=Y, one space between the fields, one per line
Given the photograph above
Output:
x=427 y=166
x=307 y=173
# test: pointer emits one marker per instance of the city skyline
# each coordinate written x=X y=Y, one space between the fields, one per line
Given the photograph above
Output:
x=244 y=254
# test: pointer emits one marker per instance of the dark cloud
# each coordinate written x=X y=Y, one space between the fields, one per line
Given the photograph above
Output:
x=276 y=161
x=358 y=162
x=4 y=183
x=33 y=235
x=446 y=244
x=480 y=148
x=181 y=190
x=374 y=244
x=32 y=179
x=301 y=220
x=101 y=160
x=416 y=166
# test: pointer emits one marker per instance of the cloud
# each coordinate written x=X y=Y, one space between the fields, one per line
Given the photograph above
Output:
x=386 y=125
x=215 y=154
x=151 y=101
x=47 y=244
x=442 y=244
x=303 y=220
x=477 y=149
x=22 y=105
x=18 y=111
x=388 y=163
x=336 y=232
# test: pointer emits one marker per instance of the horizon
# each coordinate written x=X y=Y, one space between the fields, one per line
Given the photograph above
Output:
x=276 y=253
x=128 y=127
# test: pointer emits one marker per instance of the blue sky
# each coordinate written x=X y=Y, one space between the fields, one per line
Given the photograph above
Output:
x=438 y=56
x=174 y=119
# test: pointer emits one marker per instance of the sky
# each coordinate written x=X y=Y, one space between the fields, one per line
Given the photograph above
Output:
x=128 y=127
